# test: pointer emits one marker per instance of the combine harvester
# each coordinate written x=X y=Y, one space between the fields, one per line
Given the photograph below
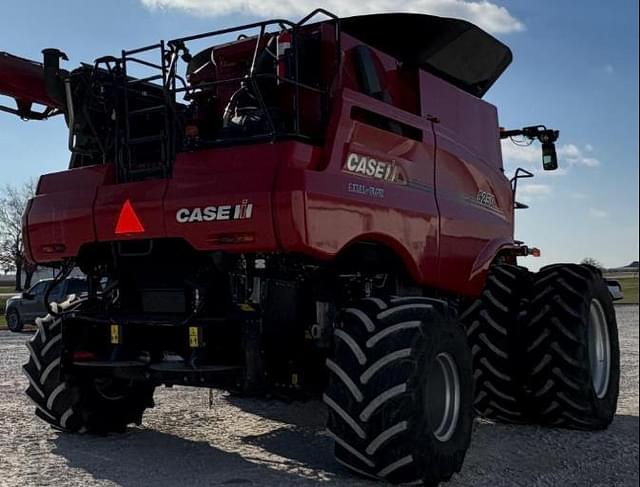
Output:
x=306 y=209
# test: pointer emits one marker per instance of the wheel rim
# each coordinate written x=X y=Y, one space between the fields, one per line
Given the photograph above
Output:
x=599 y=349
x=443 y=396
x=12 y=321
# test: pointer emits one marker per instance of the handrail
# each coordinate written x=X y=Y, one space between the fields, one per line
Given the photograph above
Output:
x=172 y=51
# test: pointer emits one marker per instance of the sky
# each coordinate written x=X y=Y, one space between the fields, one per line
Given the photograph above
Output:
x=575 y=69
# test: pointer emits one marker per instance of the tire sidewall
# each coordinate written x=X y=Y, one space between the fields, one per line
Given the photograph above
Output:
x=603 y=407
x=442 y=335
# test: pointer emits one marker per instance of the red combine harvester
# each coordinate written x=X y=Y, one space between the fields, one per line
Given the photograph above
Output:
x=306 y=209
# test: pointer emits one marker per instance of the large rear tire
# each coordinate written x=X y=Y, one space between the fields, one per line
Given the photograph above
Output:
x=494 y=331
x=572 y=356
x=79 y=405
x=400 y=393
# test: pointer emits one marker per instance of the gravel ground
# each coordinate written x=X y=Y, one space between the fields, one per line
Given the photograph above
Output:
x=252 y=442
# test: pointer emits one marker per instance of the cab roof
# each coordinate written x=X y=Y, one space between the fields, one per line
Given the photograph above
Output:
x=454 y=50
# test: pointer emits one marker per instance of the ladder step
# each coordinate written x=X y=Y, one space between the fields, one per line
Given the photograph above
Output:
x=147 y=139
x=141 y=111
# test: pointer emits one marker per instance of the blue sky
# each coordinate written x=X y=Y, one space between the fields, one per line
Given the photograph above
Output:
x=575 y=68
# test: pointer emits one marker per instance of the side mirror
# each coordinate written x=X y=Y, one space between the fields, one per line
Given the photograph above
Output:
x=547 y=138
x=549 y=157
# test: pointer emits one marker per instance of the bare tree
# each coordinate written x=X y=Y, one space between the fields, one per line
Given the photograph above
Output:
x=592 y=262
x=13 y=202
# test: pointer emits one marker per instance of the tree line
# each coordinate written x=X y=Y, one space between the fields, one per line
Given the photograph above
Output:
x=13 y=202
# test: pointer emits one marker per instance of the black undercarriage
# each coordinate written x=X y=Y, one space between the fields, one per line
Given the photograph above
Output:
x=160 y=312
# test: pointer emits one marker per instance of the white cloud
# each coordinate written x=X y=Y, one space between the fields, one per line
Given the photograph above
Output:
x=488 y=15
x=513 y=154
x=597 y=213
x=527 y=193
x=535 y=189
x=579 y=196
x=530 y=157
x=575 y=157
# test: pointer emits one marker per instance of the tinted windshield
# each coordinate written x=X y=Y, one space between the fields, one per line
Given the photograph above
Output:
x=38 y=289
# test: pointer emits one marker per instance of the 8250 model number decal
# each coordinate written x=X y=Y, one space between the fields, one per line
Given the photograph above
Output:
x=486 y=199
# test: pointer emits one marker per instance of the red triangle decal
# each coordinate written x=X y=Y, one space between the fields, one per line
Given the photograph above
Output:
x=128 y=221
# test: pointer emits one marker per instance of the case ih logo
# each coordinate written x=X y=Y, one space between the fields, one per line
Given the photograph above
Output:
x=243 y=211
x=373 y=168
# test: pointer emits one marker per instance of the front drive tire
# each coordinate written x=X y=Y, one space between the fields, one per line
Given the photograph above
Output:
x=81 y=405
x=572 y=354
x=400 y=392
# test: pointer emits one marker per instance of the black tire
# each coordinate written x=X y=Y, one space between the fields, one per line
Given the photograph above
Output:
x=383 y=410
x=14 y=321
x=494 y=332
x=78 y=405
x=568 y=301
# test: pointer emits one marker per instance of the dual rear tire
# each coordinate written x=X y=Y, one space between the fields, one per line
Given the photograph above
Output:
x=404 y=378
x=545 y=347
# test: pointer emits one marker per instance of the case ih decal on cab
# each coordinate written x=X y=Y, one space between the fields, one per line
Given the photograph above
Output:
x=242 y=211
x=372 y=168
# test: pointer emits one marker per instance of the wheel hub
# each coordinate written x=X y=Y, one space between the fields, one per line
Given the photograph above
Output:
x=443 y=396
x=12 y=320
x=599 y=349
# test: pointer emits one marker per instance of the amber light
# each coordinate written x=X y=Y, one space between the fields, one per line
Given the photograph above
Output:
x=232 y=238
x=535 y=252
x=128 y=221
x=53 y=248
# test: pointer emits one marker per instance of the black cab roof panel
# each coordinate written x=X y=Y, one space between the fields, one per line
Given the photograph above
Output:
x=452 y=49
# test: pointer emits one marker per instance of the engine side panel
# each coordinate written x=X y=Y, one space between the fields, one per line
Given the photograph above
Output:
x=474 y=196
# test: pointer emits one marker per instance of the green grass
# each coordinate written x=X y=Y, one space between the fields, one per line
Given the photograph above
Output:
x=7 y=289
x=629 y=289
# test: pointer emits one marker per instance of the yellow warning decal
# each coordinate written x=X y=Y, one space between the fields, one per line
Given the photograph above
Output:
x=194 y=337
x=115 y=334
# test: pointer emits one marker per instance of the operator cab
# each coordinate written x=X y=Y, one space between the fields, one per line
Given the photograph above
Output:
x=232 y=97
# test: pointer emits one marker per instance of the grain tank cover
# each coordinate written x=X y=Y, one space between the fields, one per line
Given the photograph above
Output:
x=454 y=50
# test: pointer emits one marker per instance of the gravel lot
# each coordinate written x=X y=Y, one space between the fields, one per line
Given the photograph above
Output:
x=250 y=442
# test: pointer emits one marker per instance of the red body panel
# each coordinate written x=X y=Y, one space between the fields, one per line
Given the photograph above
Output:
x=447 y=214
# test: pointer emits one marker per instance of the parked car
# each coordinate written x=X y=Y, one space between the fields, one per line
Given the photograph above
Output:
x=615 y=289
x=29 y=305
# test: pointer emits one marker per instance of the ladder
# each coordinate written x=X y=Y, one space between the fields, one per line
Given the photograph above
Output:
x=147 y=141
